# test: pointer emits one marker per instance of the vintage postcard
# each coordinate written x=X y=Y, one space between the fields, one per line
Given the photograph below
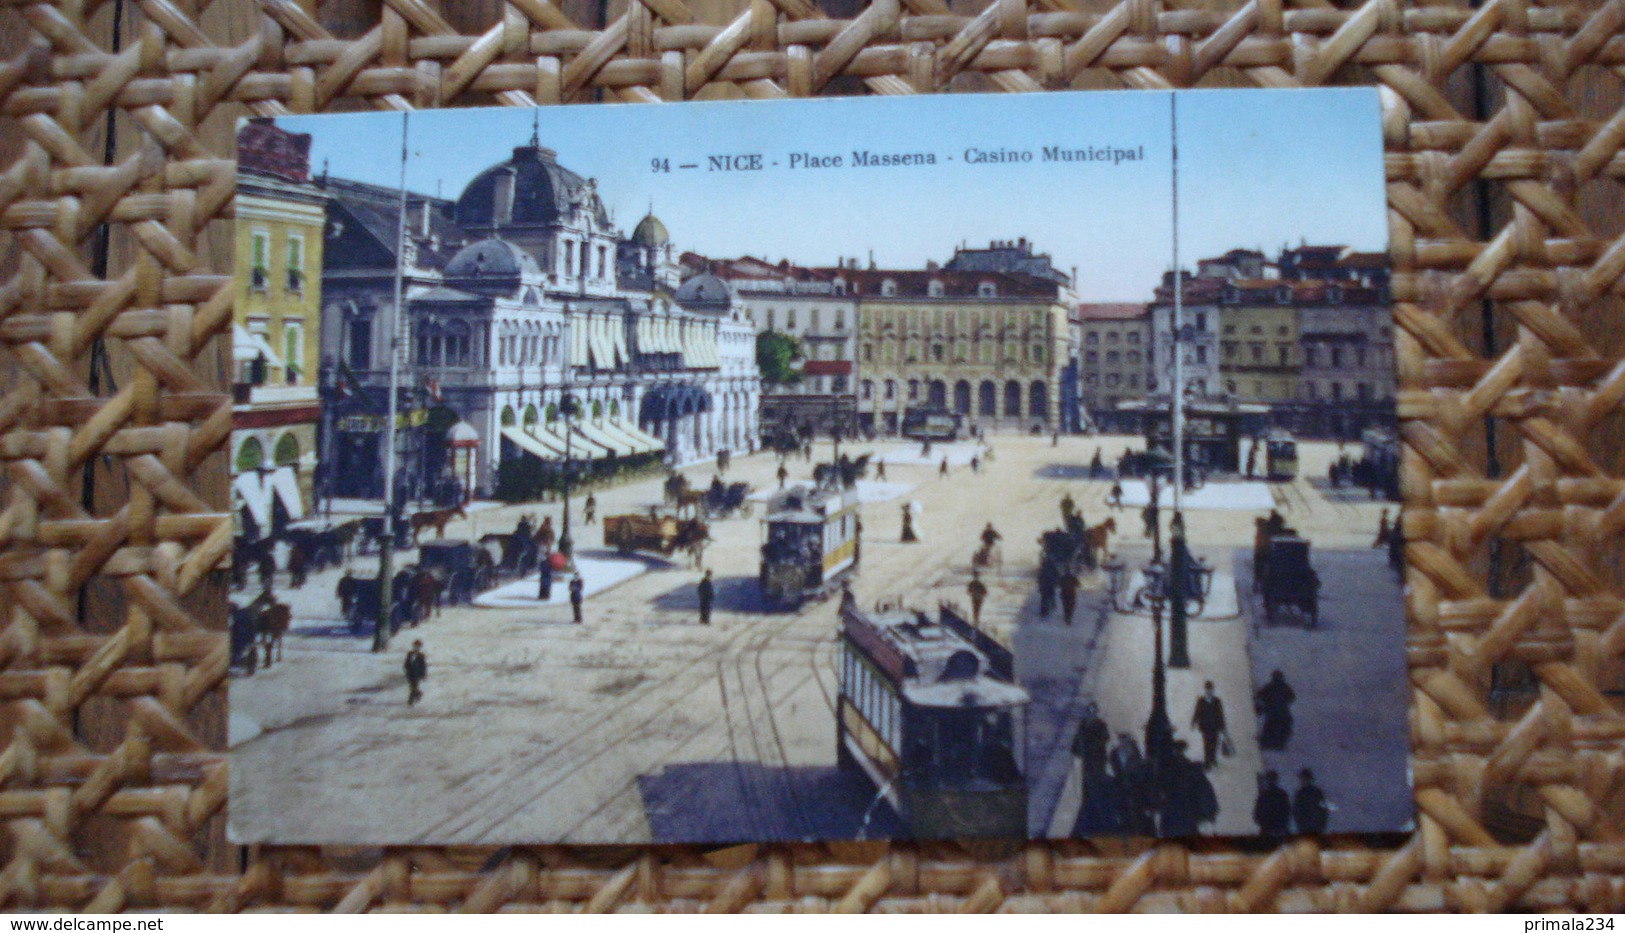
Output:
x=966 y=466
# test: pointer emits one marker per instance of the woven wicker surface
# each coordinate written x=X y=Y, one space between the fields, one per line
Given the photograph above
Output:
x=1504 y=167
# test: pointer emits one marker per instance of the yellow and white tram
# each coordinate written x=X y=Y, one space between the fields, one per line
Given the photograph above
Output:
x=809 y=541
x=929 y=714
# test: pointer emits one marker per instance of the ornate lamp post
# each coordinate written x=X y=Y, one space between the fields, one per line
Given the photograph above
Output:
x=569 y=406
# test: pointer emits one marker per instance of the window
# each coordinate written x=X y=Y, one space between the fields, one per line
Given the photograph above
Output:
x=600 y=262
x=1133 y=338
x=936 y=352
x=1201 y=320
x=1229 y=329
x=1092 y=357
x=868 y=353
x=1359 y=357
x=1337 y=357
x=1284 y=353
x=1228 y=348
x=934 y=289
x=1311 y=357
x=913 y=390
x=293 y=350
x=891 y=390
x=1038 y=353
x=1337 y=391
x=987 y=290
x=296 y=263
x=790 y=319
x=259 y=260
x=1112 y=337
x=1230 y=386
x=769 y=318
x=1111 y=380
x=250 y=456
x=1201 y=354
x=1113 y=357
x=840 y=320
x=1134 y=356
x=888 y=288
x=1258 y=352
x=812 y=319
x=361 y=343
x=1091 y=339
x=1364 y=391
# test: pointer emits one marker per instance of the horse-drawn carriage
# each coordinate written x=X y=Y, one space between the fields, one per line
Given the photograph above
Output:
x=359 y=599
x=261 y=622
x=467 y=569
x=1283 y=575
x=727 y=500
x=660 y=531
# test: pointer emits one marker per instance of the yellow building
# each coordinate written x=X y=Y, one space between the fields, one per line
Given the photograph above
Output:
x=275 y=352
x=1259 y=357
x=989 y=346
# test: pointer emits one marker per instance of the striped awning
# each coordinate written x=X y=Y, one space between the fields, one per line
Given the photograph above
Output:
x=620 y=447
x=640 y=442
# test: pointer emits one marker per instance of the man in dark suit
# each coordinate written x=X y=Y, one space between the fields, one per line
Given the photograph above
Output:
x=578 y=592
x=417 y=671
x=708 y=595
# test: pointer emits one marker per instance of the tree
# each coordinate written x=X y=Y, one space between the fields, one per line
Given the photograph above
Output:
x=775 y=352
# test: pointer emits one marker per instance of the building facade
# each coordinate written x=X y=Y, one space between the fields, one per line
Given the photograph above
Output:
x=521 y=293
x=276 y=409
x=990 y=346
x=1115 y=350
x=801 y=303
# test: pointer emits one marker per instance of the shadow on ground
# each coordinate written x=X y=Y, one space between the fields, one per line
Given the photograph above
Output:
x=734 y=594
x=726 y=802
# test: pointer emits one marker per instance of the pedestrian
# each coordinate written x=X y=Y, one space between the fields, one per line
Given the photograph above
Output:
x=942 y=471
x=708 y=595
x=417 y=671
x=857 y=539
x=880 y=470
x=1272 y=811
x=784 y=474
x=544 y=585
x=1068 y=586
x=1097 y=467
x=1049 y=578
x=1274 y=705
x=298 y=566
x=1309 y=808
x=908 y=537
x=1091 y=741
x=990 y=536
x=1115 y=497
x=975 y=464
x=589 y=510
x=1068 y=505
x=722 y=461
x=578 y=592
x=1148 y=517
x=977 y=590
x=1383 y=530
x=848 y=601
x=1055 y=439
x=1208 y=719
x=267 y=565
x=1188 y=797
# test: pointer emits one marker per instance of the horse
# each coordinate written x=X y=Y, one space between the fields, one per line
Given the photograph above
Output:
x=692 y=537
x=688 y=498
x=544 y=536
x=1096 y=539
x=427 y=588
x=271 y=620
x=676 y=484
x=436 y=519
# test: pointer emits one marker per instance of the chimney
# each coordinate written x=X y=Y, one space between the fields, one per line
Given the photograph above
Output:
x=426 y=217
x=502 y=198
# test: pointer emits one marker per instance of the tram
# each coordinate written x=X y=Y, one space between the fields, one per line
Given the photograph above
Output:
x=930 y=716
x=931 y=424
x=809 y=541
x=1281 y=456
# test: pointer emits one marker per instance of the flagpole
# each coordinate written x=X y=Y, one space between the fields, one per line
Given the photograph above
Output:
x=386 y=600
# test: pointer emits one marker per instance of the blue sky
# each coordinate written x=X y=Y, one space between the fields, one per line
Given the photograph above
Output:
x=1257 y=169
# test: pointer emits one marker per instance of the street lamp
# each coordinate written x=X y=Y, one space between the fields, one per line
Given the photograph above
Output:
x=1159 y=729
x=568 y=408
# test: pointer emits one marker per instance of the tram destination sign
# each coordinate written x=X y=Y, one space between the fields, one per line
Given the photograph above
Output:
x=963 y=466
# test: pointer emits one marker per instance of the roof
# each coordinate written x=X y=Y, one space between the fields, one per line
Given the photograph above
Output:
x=916 y=283
x=492 y=256
x=1110 y=311
x=443 y=293
x=544 y=192
x=650 y=232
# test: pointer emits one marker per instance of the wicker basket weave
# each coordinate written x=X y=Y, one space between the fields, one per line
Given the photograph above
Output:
x=1504 y=167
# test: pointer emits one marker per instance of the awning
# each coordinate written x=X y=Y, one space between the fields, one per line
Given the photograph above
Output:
x=254 y=496
x=284 y=483
x=672 y=400
x=596 y=434
x=578 y=341
x=598 y=342
x=640 y=442
x=583 y=447
x=617 y=342
x=246 y=346
x=530 y=444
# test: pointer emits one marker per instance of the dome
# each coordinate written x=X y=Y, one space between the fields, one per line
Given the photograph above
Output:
x=492 y=256
x=650 y=232
x=462 y=434
x=704 y=290
x=544 y=192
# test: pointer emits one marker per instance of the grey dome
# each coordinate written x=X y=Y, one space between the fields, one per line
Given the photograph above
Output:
x=544 y=192
x=704 y=291
x=492 y=256
x=650 y=232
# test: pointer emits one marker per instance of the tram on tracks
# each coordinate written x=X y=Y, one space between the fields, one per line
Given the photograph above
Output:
x=809 y=541
x=930 y=715
x=1280 y=456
